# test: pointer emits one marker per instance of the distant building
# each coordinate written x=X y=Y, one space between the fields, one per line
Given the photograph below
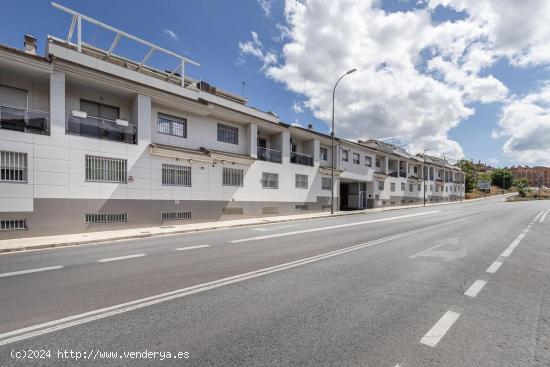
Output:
x=483 y=167
x=536 y=176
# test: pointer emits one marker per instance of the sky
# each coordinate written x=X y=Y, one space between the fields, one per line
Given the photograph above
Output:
x=464 y=78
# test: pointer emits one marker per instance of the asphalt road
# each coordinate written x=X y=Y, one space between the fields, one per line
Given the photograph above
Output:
x=453 y=285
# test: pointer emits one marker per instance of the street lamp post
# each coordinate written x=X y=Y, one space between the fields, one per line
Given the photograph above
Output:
x=424 y=174
x=332 y=143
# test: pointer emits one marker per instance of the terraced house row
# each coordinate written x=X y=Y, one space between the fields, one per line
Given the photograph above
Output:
x=93 y=141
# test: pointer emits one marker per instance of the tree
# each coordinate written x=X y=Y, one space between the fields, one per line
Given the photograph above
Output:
x=502 y=178
x=470 y=174
x=522 y=186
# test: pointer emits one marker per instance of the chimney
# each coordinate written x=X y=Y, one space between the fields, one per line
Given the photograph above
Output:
x=30 y=44
x=310 y=126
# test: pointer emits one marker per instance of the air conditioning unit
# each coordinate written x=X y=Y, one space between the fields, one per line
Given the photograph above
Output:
x=79 y=114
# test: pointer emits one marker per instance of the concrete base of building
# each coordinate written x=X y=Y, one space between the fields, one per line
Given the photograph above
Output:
x=66 y=216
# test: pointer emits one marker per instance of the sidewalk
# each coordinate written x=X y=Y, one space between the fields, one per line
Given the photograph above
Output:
x=32 y=243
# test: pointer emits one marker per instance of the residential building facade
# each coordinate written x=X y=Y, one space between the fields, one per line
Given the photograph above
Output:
x=535 y=176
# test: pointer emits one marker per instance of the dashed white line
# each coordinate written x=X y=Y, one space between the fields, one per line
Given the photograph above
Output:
x=494 y=267
x=191 y=247
x=541 y=220
x=119 y=258
x=30 y=271
x=333 y=227
x=514 y=243
x=440 y=328
x=475 y=288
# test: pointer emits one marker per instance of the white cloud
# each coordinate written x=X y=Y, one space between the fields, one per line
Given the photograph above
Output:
x=255 y=48
x=297 y=107
x=266 y=6
x=170 y=33
x=526 y=124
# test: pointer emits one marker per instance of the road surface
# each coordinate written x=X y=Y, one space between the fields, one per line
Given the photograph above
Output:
x=453 y=285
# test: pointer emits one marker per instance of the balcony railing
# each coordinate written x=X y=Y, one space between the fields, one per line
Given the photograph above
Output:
x=302 y=159
x=270 y=155
x=392 y=173
x=30 y=121
x=402 y=174
x=98 y=128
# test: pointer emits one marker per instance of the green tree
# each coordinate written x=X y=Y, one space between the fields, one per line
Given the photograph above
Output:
x=502 y=178
x=522 y=186
x=470 y=174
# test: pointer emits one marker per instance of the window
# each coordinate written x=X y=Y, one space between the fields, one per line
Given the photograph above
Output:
x=228 y=134
x=356 y=158
x=301 y=181
x=13 y=166
x=13 y=224
x=378 y=162
x=106 y=217
x=172 y=125
x=176 y=215
x=301 y=207
x=323 y=154
x=415 y=170
x=380 y=185
x=411 y=187
x=368 y=161
x=419 y=187
x=392 y=186
x=431 y=187
x=270 y=180
x=101 y=169
x=232 y=177
x=176 y=175
x=326 y=183
x=99 y=110
x=402 y=186
x=345 y=155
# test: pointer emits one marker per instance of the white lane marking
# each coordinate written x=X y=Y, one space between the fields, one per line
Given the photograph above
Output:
x=273 y=228
x=30 y=271
x=494 y=267
x=541 y=220
x=440 y=328
x=191 y=247
x=119 y=258
x=332 y=227
x=475 y=288
x=538 y=216
x=514 y=243
x=51 y=326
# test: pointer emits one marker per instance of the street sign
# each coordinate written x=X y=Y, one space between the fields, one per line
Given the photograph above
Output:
x=483 y=184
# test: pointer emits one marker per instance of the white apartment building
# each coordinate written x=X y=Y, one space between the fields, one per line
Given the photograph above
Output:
x=91 y=141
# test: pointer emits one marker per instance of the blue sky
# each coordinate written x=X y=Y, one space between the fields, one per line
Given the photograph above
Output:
x=444 y=75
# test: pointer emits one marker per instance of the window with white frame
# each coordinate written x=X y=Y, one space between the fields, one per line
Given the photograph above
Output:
x=13 y=166
x=228 y=134
x=270 y=180
x=175 y=175
x=380 y=185
x=368 y=161
x=326 y=183
x=323 y=154
x=301 y=181
x=345 y=154
x=103 y=169
x=172 y=125
x=378 y=162
x=392 y=186
x=402 y=186
x=232 y=176
x=356 y=158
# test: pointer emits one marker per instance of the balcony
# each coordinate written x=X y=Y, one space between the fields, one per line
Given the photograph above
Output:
x=98 y=128
x=30 y=121
x=392 y=173
x=303 y=159
x=402 y=174
x=270 y=155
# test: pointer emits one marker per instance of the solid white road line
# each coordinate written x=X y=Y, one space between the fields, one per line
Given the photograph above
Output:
x=541 y=220
x=51 y=326
x=494 y=267
x=332 y=227
x=266 y=229
x=440 y=328
x=30 y=271
x=538 y=216
x=514 y=243
x=475 y=288
x=119 y=258
x=191 y=247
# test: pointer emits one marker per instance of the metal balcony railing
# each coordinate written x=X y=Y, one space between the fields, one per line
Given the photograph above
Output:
x=98 y=128
x=402 y=174
x=24 y=120
x=303 y=159
x=270 y=155
x=392 y=173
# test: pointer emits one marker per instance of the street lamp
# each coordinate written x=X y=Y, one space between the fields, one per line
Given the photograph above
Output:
x=424 y=173
x=332 y=142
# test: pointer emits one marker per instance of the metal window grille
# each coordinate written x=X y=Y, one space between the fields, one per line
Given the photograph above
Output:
x=13 y=166
x=228 y=134
x=176 y=215
x=270 y=180
x=13 y=224
x=106 y=217
x=172 y=125
x=345 y=155
x=102 y=169
x=368 y=161
x=392 y=186
x=411 y=187
x=378 y=162
x=380 y=185
x=232 y=177
x=326 y=183
x=176 y=175
x=323 y=154
x=301 y=207
x=301 y=181
x=402 y=186
x=356 y=158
